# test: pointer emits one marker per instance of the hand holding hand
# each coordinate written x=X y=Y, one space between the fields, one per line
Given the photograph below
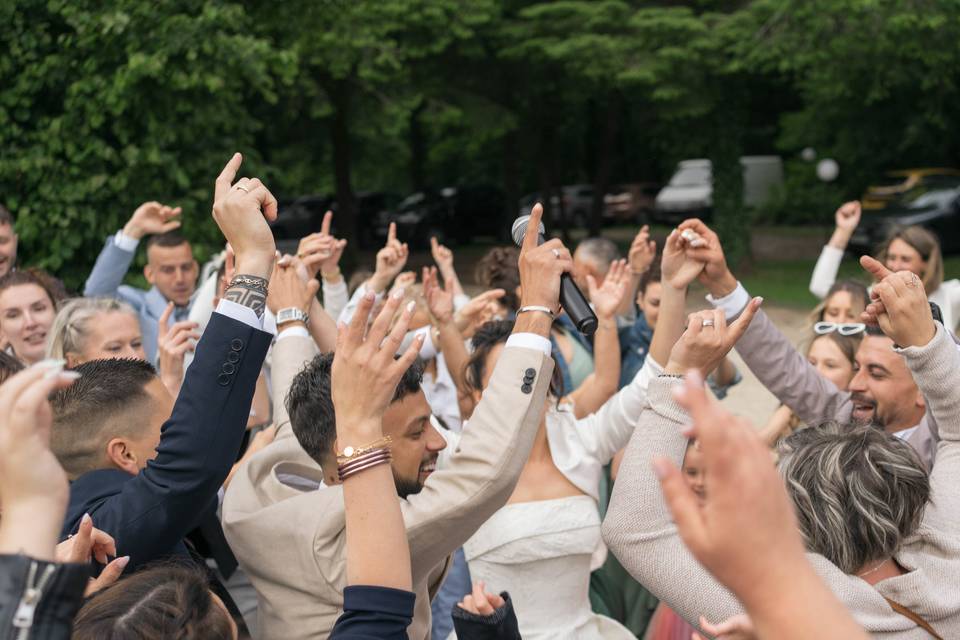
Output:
x=173 y=343
x=677 y=268
x=439 y=299
x=152 y=218
x=241 y=211
x=288 y=289
x=480 y=602
x=708 y=339
x=899 y=305
x=642 y=252
x=608 y=297
x=321 y=252
x=848 y=216
x=541 y=266
x=716 y=276
x=365 y=374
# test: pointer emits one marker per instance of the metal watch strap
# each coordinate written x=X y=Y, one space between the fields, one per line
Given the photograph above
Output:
x=291 y=314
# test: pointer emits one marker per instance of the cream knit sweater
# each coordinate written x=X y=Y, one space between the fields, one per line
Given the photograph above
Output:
x=639 y=531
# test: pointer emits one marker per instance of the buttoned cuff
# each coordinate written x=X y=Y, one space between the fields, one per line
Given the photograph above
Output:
x=733 y=303
x=530 y=341
x=295 y=331
x=125 y=242
x=240 y=313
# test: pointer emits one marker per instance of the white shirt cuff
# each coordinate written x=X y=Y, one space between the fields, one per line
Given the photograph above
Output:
x=733 y=303
x=336 y=287
x=125 y=242
x=293 y=331
x=530 y=341
x=240 y=313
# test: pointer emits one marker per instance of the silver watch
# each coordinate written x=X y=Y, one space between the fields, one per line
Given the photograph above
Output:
x=291 y=314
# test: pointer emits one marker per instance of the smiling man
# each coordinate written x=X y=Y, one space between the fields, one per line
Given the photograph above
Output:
x=171 y=269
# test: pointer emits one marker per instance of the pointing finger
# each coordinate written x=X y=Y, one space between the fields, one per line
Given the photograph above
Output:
x=325 y=225
x=874 y=267
x=225 y=179
x=533 y=228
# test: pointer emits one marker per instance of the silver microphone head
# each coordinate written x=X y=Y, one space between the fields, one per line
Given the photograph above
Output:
x=519 y=229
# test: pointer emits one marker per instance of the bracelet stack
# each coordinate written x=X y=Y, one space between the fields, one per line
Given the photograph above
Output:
x=353 y=460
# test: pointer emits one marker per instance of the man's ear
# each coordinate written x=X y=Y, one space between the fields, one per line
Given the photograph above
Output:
x=148 y=272
x=121 y=455
x=73 y=359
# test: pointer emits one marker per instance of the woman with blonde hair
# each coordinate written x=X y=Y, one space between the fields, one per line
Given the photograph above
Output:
x=93 y=329
x=910 y=248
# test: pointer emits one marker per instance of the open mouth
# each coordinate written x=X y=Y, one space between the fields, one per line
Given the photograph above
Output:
x=863 y=411
x=428 y=468
x=36 y=338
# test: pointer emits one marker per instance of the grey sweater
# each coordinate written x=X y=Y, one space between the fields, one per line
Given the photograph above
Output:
x=639 y=531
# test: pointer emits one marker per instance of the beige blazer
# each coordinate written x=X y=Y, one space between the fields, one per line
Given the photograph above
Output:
x=289 y=536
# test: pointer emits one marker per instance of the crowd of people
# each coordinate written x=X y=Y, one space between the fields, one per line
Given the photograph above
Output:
x=261 y=447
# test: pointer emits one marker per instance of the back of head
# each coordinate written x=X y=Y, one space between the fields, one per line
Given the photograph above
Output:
x=499 y=268
x=858 y=491
x=927 y=245
x=159 y=603
x=310 y=406
x=72 y=324
x=108 y=400
x=601 y=252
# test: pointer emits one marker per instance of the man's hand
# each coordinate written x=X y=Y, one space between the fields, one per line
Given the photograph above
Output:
x=541 y=266
x=321 y=252
x=746 y=533
x=365 y=373
x=480 y=309
x=288 y=289
x=708 y=339
x=716 y=276
x=439 y=299
x=607 y=298
x=241 y=211
x=677 y=268
x=390 y=261
x=173 y=343
x=151 y=218
x=899 y=305
x=642 y=252
x=33 y=485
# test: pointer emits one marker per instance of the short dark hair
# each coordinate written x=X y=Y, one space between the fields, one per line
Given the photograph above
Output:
x=169 y=239
x=97 y=407
x=9 y=366
x=310 y=405
x=5 y=216
x=169 y=601
x=499 y=268
x=651 y=275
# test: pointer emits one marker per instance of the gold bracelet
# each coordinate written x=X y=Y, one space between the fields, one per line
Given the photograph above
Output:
x=349 y=453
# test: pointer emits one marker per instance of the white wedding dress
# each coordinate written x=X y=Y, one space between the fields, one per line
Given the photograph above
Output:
x=541 y=553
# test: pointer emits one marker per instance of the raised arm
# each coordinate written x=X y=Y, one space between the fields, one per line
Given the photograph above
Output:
x=828 y=264
x=390 y=262
x=450 y=341
x=444 y=259
x=320 y=254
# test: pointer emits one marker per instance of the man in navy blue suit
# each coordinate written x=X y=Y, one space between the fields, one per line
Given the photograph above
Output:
x=148 y=469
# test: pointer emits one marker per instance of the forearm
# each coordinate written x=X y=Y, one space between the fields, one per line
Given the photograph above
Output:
x=335 y=295
x=32 y=527
x=840 y=238
x=452 y=281
x=109 y=269
x=670 y=323
x=602 y=383
x=377 y=549
x=290 y=354
x=934 y=368
x=322 y=328
x=454 y=353
x=825 y=271
x=629 y=300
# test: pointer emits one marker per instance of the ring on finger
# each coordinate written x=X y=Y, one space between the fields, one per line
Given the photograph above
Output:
x=708 y=322
x=914 y=281
x=556 y=253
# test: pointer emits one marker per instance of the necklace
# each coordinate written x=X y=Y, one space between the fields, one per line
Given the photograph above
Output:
x=874 y=570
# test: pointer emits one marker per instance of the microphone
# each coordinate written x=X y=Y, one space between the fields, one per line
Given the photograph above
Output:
x=571 y=298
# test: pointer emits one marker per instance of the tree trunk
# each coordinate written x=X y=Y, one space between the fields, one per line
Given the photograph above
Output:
x=604 y=163
x=511 y=179
x=339 y=93
x=418 y=148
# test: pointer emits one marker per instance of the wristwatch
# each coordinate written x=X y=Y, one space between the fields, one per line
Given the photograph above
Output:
x=291 y=314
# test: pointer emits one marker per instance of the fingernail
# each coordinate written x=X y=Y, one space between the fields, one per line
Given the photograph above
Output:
x=410 y=306
x=661 y=467
x=759 y=299
x=123 y=561
x=51 y=363
x=86 y=518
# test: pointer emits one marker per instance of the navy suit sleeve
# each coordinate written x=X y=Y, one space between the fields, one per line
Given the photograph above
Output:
x=374 y=613
x=108 y=271
x=198 y=445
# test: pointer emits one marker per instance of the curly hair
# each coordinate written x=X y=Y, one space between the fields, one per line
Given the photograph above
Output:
x=500 y=269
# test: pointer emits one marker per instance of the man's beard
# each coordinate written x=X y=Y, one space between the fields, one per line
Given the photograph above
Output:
x=406 y=487
x=875 y=418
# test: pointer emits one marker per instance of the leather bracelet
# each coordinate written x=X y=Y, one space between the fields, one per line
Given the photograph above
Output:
x=370 y=465
x=349 y=453
x=533 y=307
x=378 y=457
x=254 y=283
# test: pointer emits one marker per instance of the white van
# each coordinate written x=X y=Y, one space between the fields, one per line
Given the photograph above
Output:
x=690 y=190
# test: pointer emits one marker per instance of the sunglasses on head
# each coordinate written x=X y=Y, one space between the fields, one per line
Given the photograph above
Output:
x=843 y=328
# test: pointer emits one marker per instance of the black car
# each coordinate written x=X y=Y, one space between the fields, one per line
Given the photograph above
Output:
x=454 y=215
x=934 y=206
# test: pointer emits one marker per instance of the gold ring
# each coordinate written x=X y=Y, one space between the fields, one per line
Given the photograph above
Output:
x=914 y=280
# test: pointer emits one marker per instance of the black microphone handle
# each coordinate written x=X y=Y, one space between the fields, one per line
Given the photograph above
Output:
x=575 y=304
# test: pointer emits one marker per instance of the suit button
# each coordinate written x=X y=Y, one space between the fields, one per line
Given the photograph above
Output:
x=233 y=356
x=223 y=379
x=229 y=369
x=530 y=373
x=526 y=388
x=528 y=378
x=236 y=344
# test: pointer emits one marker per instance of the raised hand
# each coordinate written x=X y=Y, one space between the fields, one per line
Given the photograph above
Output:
x=288 y=289
x=241 y=211
x=173 y=343
x=677 y=268
x=607 y=298
x=848 y=216
x=541 y=266
x=364 y=373
x=321 y=252
x=899 y=305
x=441 y=255
x=479 y=602
x=480 y=309
x=152 y=218
x=642 y=252
x=716 y=276
x=439 y=299
x=708 y=339
x=404 y=281
x=33 y=485
x=390 y=261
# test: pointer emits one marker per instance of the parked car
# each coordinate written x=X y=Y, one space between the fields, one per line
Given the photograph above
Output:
x=630 y=203
x=301 y=216
x=897 y=183
x=304 y=215
x=690 y=190
x=453 y=215
x=936 y=207
x=577 y=203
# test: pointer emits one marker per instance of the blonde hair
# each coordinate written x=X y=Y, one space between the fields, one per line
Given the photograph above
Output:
x=71 y=326
x=926 y=244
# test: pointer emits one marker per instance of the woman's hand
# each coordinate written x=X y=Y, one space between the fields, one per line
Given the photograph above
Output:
x=608 y=297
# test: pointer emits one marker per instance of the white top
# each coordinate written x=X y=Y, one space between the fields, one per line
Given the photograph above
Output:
x=441 y=394
x=947 y=295
x=540 y=552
